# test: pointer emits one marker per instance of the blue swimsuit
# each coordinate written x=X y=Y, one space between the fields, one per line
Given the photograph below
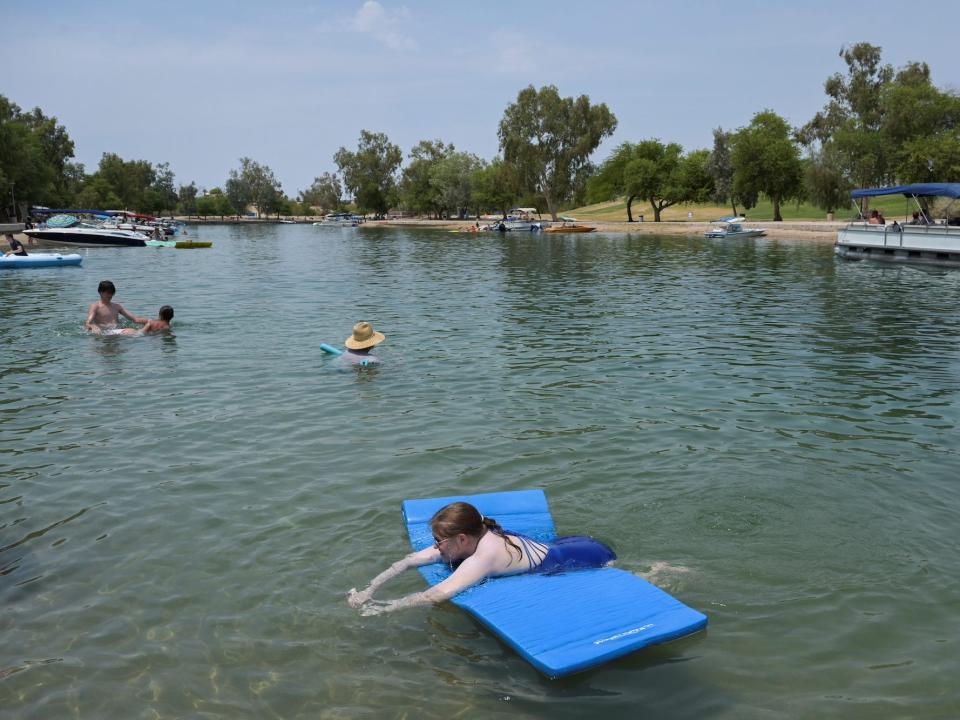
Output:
x=565 y=553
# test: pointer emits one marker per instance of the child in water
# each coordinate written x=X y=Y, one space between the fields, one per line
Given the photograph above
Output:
x=103 y=314
x=479 y=548
x=153 y=326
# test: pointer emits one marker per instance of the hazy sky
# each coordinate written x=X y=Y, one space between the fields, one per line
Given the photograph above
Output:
x=200 y=84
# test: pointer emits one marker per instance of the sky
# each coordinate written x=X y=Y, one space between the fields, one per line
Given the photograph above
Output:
x=201 y=84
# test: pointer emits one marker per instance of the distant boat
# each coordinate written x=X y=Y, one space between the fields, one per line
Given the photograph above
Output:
x=68 y=231
x=287 y=222
x=730 y=228
x=341 y=220
x=569 y=225
x=922 y=240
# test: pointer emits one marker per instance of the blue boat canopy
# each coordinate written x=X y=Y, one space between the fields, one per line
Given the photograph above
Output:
x=950 y=190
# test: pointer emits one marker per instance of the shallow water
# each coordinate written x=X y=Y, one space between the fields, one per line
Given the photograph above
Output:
x=763 y=431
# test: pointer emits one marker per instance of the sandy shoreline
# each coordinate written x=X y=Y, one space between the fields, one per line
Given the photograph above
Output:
x=792 y=229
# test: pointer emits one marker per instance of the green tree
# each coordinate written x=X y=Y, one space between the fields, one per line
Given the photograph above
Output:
x=766 y=160
x=97 y=193
x=164 y=189
x=824 y=182
x=452 y=180
x=56 y=148
x=495 y=186
x=720 y=167
x=370 y=172
x=208 y=205
x=418 y=190
x=657 y=173
x=853 y=117
x=325 y=193
x=24 y=173
x=130 y=180
x=921 y=125
x=188 y=199
x=550 y=139
x=253 y=184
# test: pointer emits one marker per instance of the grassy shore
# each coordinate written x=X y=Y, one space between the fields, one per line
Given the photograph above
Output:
x=892 y=207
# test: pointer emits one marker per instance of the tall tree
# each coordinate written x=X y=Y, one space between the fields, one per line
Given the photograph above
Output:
x=253 y=184
x=853 y=117
x=495 y=186
x=452 y=179
x=370 y=172
x=766 y=160
x=720 y=167
x=129 y=180
x=418 y=190
x=825 y=184
x=164 y=189
x=188 y=199
x=611 y=181
x=550 y=139
x=325 y=193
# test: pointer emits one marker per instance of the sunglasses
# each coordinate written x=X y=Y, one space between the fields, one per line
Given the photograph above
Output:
x=438 y=542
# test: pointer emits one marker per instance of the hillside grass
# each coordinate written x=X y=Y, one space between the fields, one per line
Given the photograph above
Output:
x=893 y=208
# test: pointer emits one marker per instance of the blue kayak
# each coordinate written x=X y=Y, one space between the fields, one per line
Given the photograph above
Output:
x=15 y=262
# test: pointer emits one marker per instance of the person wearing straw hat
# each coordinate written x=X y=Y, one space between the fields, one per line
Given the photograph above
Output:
x=361 y=342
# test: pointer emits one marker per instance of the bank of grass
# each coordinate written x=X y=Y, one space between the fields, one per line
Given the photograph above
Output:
x=894 y=208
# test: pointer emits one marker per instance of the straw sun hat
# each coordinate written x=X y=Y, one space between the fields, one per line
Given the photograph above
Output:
x=364 y=336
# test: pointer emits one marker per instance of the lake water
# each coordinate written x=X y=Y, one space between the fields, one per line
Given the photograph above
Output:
x=765 y=432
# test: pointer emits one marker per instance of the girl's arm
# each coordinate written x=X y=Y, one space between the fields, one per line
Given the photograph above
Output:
x=427 y=556
x=471 y=571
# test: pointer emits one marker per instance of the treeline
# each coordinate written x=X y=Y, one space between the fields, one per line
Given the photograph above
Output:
x=880 y=126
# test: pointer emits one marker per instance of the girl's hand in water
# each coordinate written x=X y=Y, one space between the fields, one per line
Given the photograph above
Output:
x=358 y=598
x=375 y=608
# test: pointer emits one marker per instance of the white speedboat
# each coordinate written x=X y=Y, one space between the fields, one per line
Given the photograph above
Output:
x=924 y=240
x=341 y=220
x=730 y=228
x=68 y=231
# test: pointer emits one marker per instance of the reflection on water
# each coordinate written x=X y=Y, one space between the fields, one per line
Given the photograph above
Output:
x=762 y=430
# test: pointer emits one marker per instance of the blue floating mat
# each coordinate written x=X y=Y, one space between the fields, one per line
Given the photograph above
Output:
x=561 y=623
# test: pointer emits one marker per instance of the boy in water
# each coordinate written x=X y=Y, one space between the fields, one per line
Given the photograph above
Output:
x=102 y=316
x=161 y=323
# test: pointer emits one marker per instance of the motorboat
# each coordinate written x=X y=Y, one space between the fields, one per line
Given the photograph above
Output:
x=38 y=260
x=730 y=228
x=513 y=224
x=569 y=225
x=341 y=220
x=69 y=231
x=920 y=240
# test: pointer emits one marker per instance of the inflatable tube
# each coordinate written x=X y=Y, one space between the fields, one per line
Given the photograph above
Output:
x=330 y=349
x=38 y=260
x=560 y=623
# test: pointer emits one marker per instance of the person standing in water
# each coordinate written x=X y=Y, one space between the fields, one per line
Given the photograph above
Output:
x=360 y=343
x=479 y=548
x=103 y=314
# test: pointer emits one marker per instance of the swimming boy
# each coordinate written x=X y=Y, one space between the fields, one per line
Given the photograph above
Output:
x=102 y=316
x=153 y=326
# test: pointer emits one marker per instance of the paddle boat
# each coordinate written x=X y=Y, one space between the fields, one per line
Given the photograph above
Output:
x=924 y=240
x=730 y=228
x=38 y=260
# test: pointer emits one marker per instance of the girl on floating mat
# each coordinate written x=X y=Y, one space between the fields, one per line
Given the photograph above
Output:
x=478 y=548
